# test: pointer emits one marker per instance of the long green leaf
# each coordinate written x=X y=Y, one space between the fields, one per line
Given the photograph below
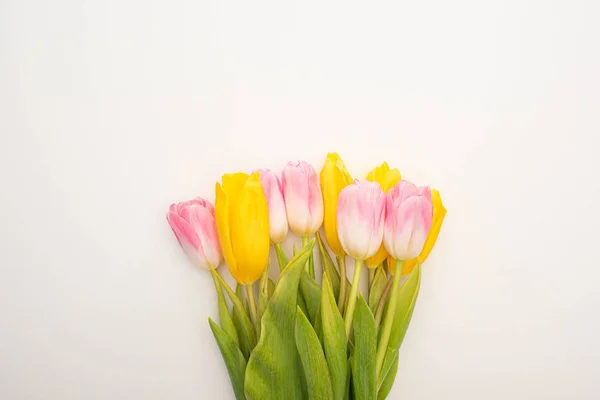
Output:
x=282 y=259
x=301 y=303
x=245 y=324
x=273 y=369
x=224 y=316
x=311 y=292
x=263 y=293
x=407 y=298
x=239 y=292
x=329 y=267
x=313 y=360
x=377 y=288
x=234 y=359
x=243 y=338
x=388 y=382
x=365 y=347
x=270 y=287
x=334 y=340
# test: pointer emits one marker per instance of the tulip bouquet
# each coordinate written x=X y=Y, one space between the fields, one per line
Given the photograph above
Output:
x=308 y=336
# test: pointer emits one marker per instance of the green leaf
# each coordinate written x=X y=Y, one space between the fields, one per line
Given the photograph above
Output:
x=311 y=292
x=243 y=339
x=301 y=303
x=270 y=287
x=311 y=266
x=282 y=259
x=377 y=288
x=388 y=382
x=246 y=328
x=273 y=370
x=263 y=293
x=334 y=340
x=313 y=360
x=329 y=267
x=234 y=359
x=224 y=316
x=365 y=346
x=239 y=292
x=407 y=298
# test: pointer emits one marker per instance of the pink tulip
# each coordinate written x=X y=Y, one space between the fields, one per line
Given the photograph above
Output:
x=278 y=224
x=194 y=225
x=409 y=211
x=360 y=218
x=303 y=199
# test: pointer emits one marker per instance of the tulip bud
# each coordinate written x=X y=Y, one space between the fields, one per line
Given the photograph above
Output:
x=361 y=216
x=334 y=177
x=303 y=200
x=408 y=220
x=243 y=225
x=193 y=223
x=278 y=224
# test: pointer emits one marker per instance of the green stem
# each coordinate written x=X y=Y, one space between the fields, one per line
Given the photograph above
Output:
x=281 y=257
x=389 y=317
x=252 y=305
x=370 y=281
x=310 y=267
x=353 y=292
x=381 y=304
x=341 y=261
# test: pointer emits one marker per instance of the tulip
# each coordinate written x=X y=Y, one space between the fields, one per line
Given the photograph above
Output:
x=334 y=177
x=387 y=179
x=361 y=217
x=409 y=212
x=278 y=224
x=303 y=200
x=408 y=218
x=243 y=225
x=439 y=212
x=194 y=226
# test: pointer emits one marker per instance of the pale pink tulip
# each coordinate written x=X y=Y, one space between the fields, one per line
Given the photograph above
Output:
x=360 y=218
x=409 y=211
x=303 y=199
x=194 y=225
x=278 y=224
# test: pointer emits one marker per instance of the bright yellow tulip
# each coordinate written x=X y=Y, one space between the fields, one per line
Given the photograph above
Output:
x=387 y=179
x=243 y=225
x=439 y=212
x=334 y=177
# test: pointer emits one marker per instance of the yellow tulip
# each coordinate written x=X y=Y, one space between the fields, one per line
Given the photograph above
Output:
x=439 y=212
x=387 y=179
x=243 y=225
x=334 y=177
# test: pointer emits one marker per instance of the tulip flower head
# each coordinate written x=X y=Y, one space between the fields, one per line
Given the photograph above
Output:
x=439 y=212
x=278 y=224
x=387 y=179
x=408 y=220
x=334 y=177
x=193 y=223
x=361 y=217
x=243 y=225
x=303 y=199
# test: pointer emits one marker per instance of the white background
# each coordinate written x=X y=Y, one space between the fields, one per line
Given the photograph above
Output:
x=111 y=110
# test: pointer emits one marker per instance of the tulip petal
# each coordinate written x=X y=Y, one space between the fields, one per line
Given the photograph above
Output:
x=204 y=221
x=334 y=177
x=222 y=203
x=439 y=212
x=250 y=231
